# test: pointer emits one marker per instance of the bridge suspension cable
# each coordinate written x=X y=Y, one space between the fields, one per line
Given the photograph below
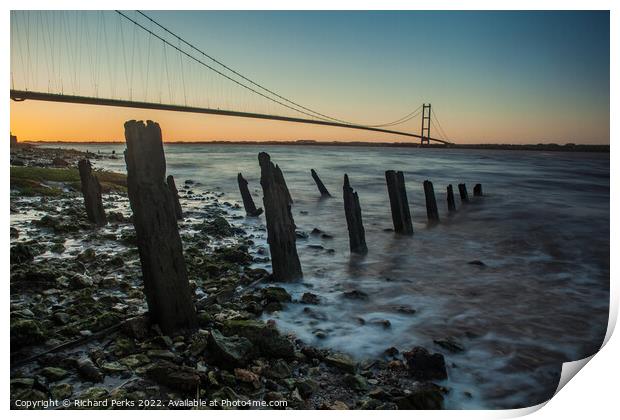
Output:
x=289 y=101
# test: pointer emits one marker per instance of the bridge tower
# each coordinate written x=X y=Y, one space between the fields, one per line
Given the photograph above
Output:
x=426 y=124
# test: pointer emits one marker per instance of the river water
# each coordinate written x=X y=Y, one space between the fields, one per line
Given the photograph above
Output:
x=541 y=230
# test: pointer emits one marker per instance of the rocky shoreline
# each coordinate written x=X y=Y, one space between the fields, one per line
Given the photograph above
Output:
x=80 y=331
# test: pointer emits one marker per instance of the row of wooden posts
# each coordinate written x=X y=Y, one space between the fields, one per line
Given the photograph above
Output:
x=281 y=227
x=156 y=208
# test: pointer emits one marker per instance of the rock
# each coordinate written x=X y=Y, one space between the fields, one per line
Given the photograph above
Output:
x=135 y=360
x=391 y=352
x=21 y=253
x=80 y=281
x=477 y=262
x=137 y=327
x=235 y=350
x=310 y=299
x=87 y=370
x=306 y=387
x=426 y=396
x=94 y=394
x=338 y=405
x=278 y=370
x=341 y=361
x=61 y=391
x=355 y=382
x=177 y=377
x=59 y=162
x=25 y=332
x=161 y=354
x=424 y=365
x=379 y=394
x=246 y=376
x=275 y=294
x=266 y=338
x=450 y=344
x=218 y=227
x=88 y=255
x=57 y=248
x=355 y=294
x=54 y=373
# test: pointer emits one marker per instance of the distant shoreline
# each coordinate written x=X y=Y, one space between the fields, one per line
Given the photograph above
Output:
x=550 y=147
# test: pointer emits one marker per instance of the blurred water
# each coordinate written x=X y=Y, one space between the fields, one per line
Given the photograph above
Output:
x=542 y=230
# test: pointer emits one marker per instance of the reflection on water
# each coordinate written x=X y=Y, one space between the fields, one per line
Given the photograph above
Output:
x=542 y=232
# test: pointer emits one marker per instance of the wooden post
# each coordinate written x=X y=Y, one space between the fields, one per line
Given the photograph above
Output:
x=280 y=224
x=451 y=205
x=353 y=213
x=178 y=210
x=401 y=217
x=319 y=184
x=463 y=193
x=161 y=253
x=248 y=202
x=431 y=203
x=91 y=189
x=478 y=190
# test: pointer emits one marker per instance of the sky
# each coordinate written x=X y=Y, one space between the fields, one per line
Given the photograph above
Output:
x=491 y=77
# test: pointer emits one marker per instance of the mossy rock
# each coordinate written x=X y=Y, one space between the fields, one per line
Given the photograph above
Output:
x=54 y=373
x=25 y=332
x=266 y=338
x=31 y=181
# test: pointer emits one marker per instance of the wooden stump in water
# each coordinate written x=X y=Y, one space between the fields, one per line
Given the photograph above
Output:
x=91 y=189
x=178 y=210
x=401 y=217
x=478 y=190
x=450 y=195
x=463 y=193
x=431 y=203
x=319 y=184
x=353 y=213
x=248 y=202
x=280 y=224
x=161 y=253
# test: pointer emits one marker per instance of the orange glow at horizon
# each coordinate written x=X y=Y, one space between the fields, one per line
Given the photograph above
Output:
x=46 y=121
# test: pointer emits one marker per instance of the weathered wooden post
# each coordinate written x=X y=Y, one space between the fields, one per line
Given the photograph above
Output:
x=478 y=190
x=451 y=204
x=248 y=202
x=91 y=189
x=178 y=210
x=431 y=203
x=319 y=184
x=161 y=253
x=353 y=213
x=280 y=224
x=401 y=217
x=463 y=193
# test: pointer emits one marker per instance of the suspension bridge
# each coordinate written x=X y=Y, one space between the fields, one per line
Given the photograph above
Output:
x=128 y=59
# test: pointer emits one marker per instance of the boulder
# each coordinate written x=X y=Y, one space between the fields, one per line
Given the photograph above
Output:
x=426 y=396
x=342 y=362
x=21 y=253
x=265 y=337
x=234 y=349
x=25 y=332
x=181 y=378
x=424 y=365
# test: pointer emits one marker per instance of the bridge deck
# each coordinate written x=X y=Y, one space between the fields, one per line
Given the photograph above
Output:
x=20 y=95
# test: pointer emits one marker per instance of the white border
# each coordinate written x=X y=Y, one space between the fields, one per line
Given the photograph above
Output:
x=592 y=395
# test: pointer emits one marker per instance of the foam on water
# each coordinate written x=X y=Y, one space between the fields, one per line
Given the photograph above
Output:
x=542 y=231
